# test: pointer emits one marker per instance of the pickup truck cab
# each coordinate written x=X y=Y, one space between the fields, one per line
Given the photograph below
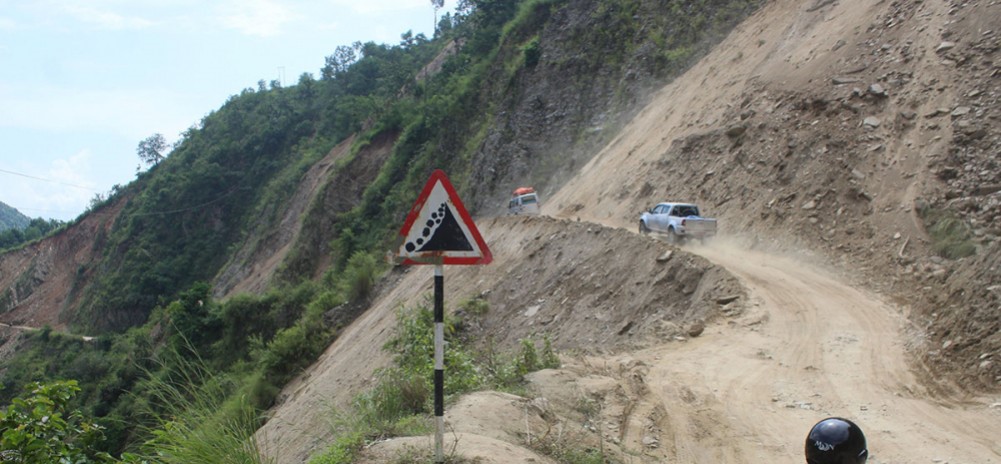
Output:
x=679 y=221
x=524 y=200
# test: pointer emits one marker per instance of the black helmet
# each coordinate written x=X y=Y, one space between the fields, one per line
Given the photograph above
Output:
x=836 y=441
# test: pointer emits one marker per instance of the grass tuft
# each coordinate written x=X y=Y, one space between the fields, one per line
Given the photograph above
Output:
x=951 y=237
x=198 y=419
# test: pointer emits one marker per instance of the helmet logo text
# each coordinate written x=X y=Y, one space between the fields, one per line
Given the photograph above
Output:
x=823 y=446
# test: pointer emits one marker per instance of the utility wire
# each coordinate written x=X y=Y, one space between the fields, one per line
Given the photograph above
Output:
x=38 y=210
x=48 y=180
x=192 y=208
x=152 y=213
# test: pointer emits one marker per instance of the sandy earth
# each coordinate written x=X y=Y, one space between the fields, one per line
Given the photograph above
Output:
x=811 y=347
x=653 y=293
x=748 y=389
x=805 y=346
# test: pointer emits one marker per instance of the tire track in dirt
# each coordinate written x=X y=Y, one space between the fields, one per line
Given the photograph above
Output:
x=808 y=346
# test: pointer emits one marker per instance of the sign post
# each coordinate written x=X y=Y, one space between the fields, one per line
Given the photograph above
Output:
x=439 y=231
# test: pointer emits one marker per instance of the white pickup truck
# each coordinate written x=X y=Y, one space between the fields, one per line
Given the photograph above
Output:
x=679 y=221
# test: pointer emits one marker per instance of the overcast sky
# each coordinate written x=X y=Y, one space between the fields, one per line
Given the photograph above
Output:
x=83 y=81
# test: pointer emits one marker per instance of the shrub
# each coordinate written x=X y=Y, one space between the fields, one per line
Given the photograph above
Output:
x=400 y=403
x=475 y=306
x=359 y=276
x=533 y=52
x=950 y=236
x=414 y=344
x=42 y=428
x=343 y=451
x=292 y=349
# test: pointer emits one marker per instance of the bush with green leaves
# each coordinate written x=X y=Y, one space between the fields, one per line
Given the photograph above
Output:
x=951 y=237
x=359 y=276
x=413 y=345
x=400 y=403
x=41 y=427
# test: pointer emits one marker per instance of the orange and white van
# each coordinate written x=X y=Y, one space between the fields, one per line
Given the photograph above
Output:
x=524 y=200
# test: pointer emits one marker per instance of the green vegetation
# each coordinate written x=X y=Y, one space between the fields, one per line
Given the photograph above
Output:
x=401 y=402
x=34 y=229
x=42 y=427
x=198 y=419
x=256 y=343
x=11 y=218
x=950 y=236
x=216 y=200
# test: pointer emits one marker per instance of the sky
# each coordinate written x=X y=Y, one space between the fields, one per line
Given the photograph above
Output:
x=84 y=81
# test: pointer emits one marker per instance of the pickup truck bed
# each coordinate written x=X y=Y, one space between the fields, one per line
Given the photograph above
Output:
x=679 y=221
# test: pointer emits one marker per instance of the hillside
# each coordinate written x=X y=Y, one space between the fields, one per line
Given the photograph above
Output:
x=814 y=131
x=847 y=147
x=11 y=218
x=844 y=132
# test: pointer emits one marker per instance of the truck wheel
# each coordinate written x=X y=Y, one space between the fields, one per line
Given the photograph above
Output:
x=643 y=229
x=673 y=238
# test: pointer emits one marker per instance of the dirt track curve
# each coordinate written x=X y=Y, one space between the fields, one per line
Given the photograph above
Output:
x=809 y=346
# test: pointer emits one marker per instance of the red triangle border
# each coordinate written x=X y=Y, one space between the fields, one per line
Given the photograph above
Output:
x=442 y=257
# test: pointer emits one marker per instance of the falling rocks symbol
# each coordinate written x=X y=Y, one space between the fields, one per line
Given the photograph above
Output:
x=440 y=233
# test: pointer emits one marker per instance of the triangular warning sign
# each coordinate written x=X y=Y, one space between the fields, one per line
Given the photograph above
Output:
x=438 y=230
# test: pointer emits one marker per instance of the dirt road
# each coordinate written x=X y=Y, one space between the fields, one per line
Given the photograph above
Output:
x=809 y=344
x=808 y=347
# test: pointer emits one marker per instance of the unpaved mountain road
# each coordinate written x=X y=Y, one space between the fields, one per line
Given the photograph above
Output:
x=805 y=345
x=808 y=346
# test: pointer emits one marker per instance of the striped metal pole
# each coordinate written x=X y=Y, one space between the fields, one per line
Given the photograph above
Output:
x=439 y=363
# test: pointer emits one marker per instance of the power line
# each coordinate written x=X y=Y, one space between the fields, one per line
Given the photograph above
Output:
x=192 y=208
x=38 y=210
x=48 y=180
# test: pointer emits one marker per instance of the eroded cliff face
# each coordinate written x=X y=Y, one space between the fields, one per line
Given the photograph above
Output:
x=592 y=66
x=41 y=282
x=848 y=130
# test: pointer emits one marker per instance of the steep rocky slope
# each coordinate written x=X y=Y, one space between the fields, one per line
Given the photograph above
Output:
x=597 y=61
x=297 y=246
x=589 y=288
x=830 y=127
x=40 y=280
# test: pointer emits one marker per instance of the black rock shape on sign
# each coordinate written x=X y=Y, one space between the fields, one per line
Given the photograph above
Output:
x=440 y=233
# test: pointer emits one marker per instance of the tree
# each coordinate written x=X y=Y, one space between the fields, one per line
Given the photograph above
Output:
x=151 y=149
x=343 y=57
x=437 y=5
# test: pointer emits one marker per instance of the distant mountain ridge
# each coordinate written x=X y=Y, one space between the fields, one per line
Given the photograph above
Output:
x=11 y=218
